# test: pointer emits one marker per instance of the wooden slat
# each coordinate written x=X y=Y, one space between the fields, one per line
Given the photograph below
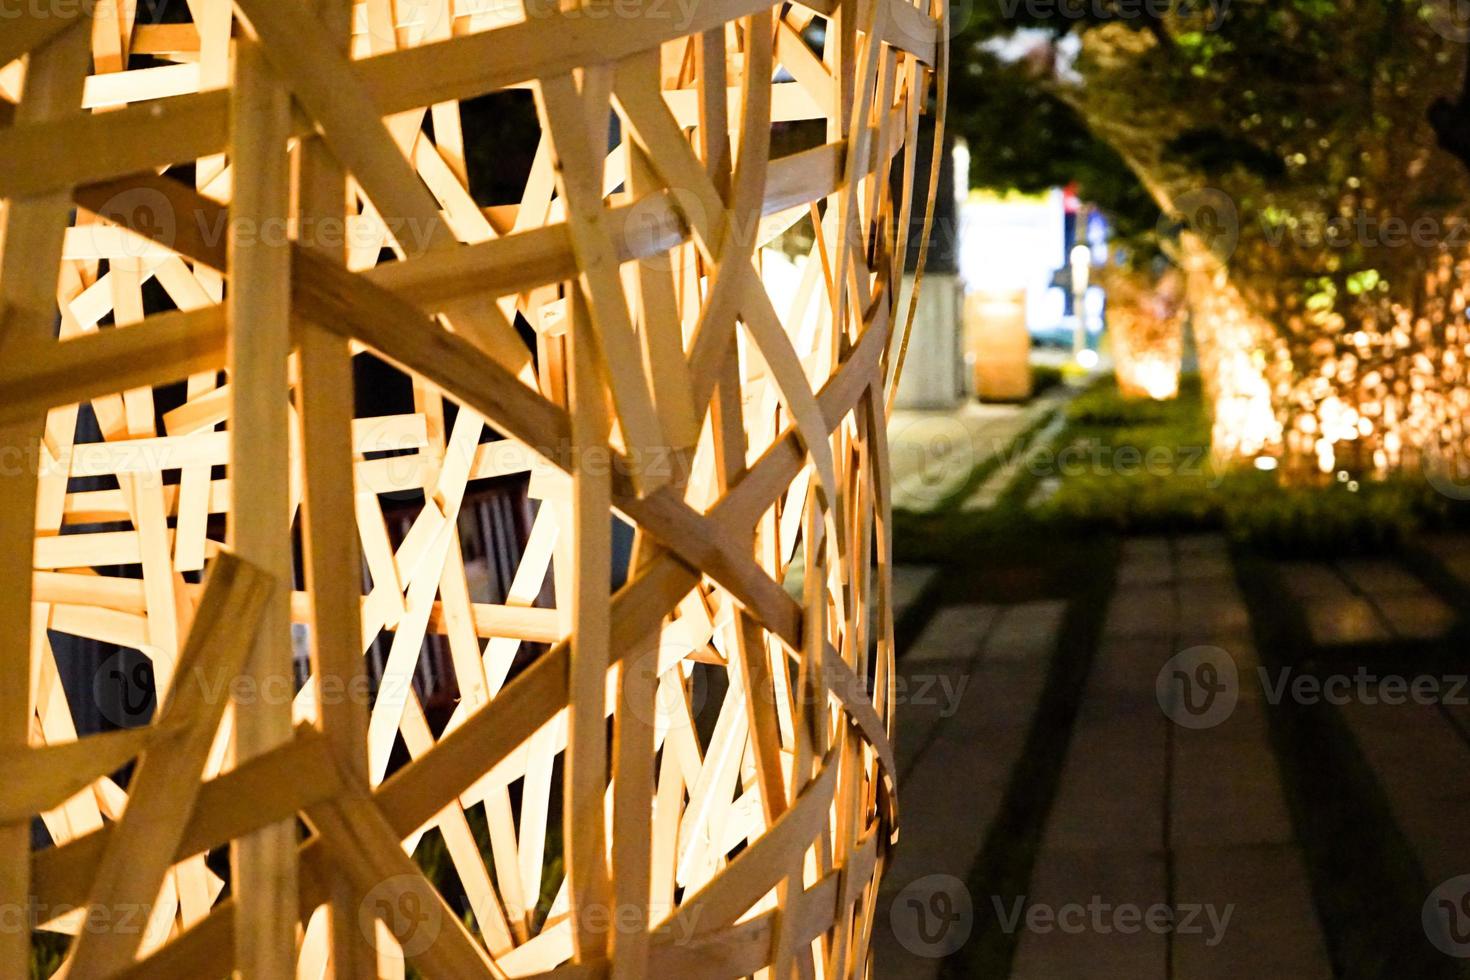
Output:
x=34 y=28
x=163 y=789
x=258 y=312
x=30 y=249
x=164 y=347
x=41 y=778
x=295 y=180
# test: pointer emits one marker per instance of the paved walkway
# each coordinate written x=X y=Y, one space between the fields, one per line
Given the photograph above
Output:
x=1413 y=730
x=1168 y=851
x=1420 y=756
x=1411 y=725
x=1365 y=601
x=988 y=494
x=1453 y=552
x=910 y=582
x=969 y=688
x=933 y=453
x=1170 y=807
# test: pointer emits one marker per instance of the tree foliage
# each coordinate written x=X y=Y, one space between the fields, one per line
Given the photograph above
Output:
x=1302 y=102
x=1330 y=138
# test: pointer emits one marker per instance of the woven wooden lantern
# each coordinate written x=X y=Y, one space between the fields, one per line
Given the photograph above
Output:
x=231 y=236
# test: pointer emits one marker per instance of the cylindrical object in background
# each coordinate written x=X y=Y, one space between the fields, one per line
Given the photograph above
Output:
x=998 y=344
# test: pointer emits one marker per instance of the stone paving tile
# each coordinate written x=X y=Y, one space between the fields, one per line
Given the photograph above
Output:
x=1141 y=611
x=1309 y=580
x=1376 y=577
x=1226 y=786
x=1112 y=790
x=942 y=658
x=950 y=799
x=1422 y=761
x=1136 y=789
x=933 y=453
x=1271 y=929
x=1365 y=601
x=1456 y=695
x=1416 y=617
x=892 y=962
x=1453 y=551
x=995 y=485
x=957 y=747
x=1344 y=620
x=1154 y=571
x=1145 y=550
x=997 y=698
x=1123 y=676
x=909 y=583
x=1025 y=630
x=918 y=725
x=1204 y=565
x=973 y=664
x=980 y=705
x=1211 y=606
x=953 y=633
x=1200 y=545
x=1240 y=644
x=1071 y=884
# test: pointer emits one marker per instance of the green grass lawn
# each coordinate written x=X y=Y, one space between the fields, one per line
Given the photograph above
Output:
x=1142 y=467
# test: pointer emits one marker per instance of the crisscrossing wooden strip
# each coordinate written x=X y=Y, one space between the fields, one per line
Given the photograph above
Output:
x=445 y=489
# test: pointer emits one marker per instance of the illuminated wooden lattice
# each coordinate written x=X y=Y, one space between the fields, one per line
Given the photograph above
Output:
x=207 y=226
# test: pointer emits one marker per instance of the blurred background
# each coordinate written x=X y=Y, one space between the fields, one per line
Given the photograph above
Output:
x=1180 y=469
